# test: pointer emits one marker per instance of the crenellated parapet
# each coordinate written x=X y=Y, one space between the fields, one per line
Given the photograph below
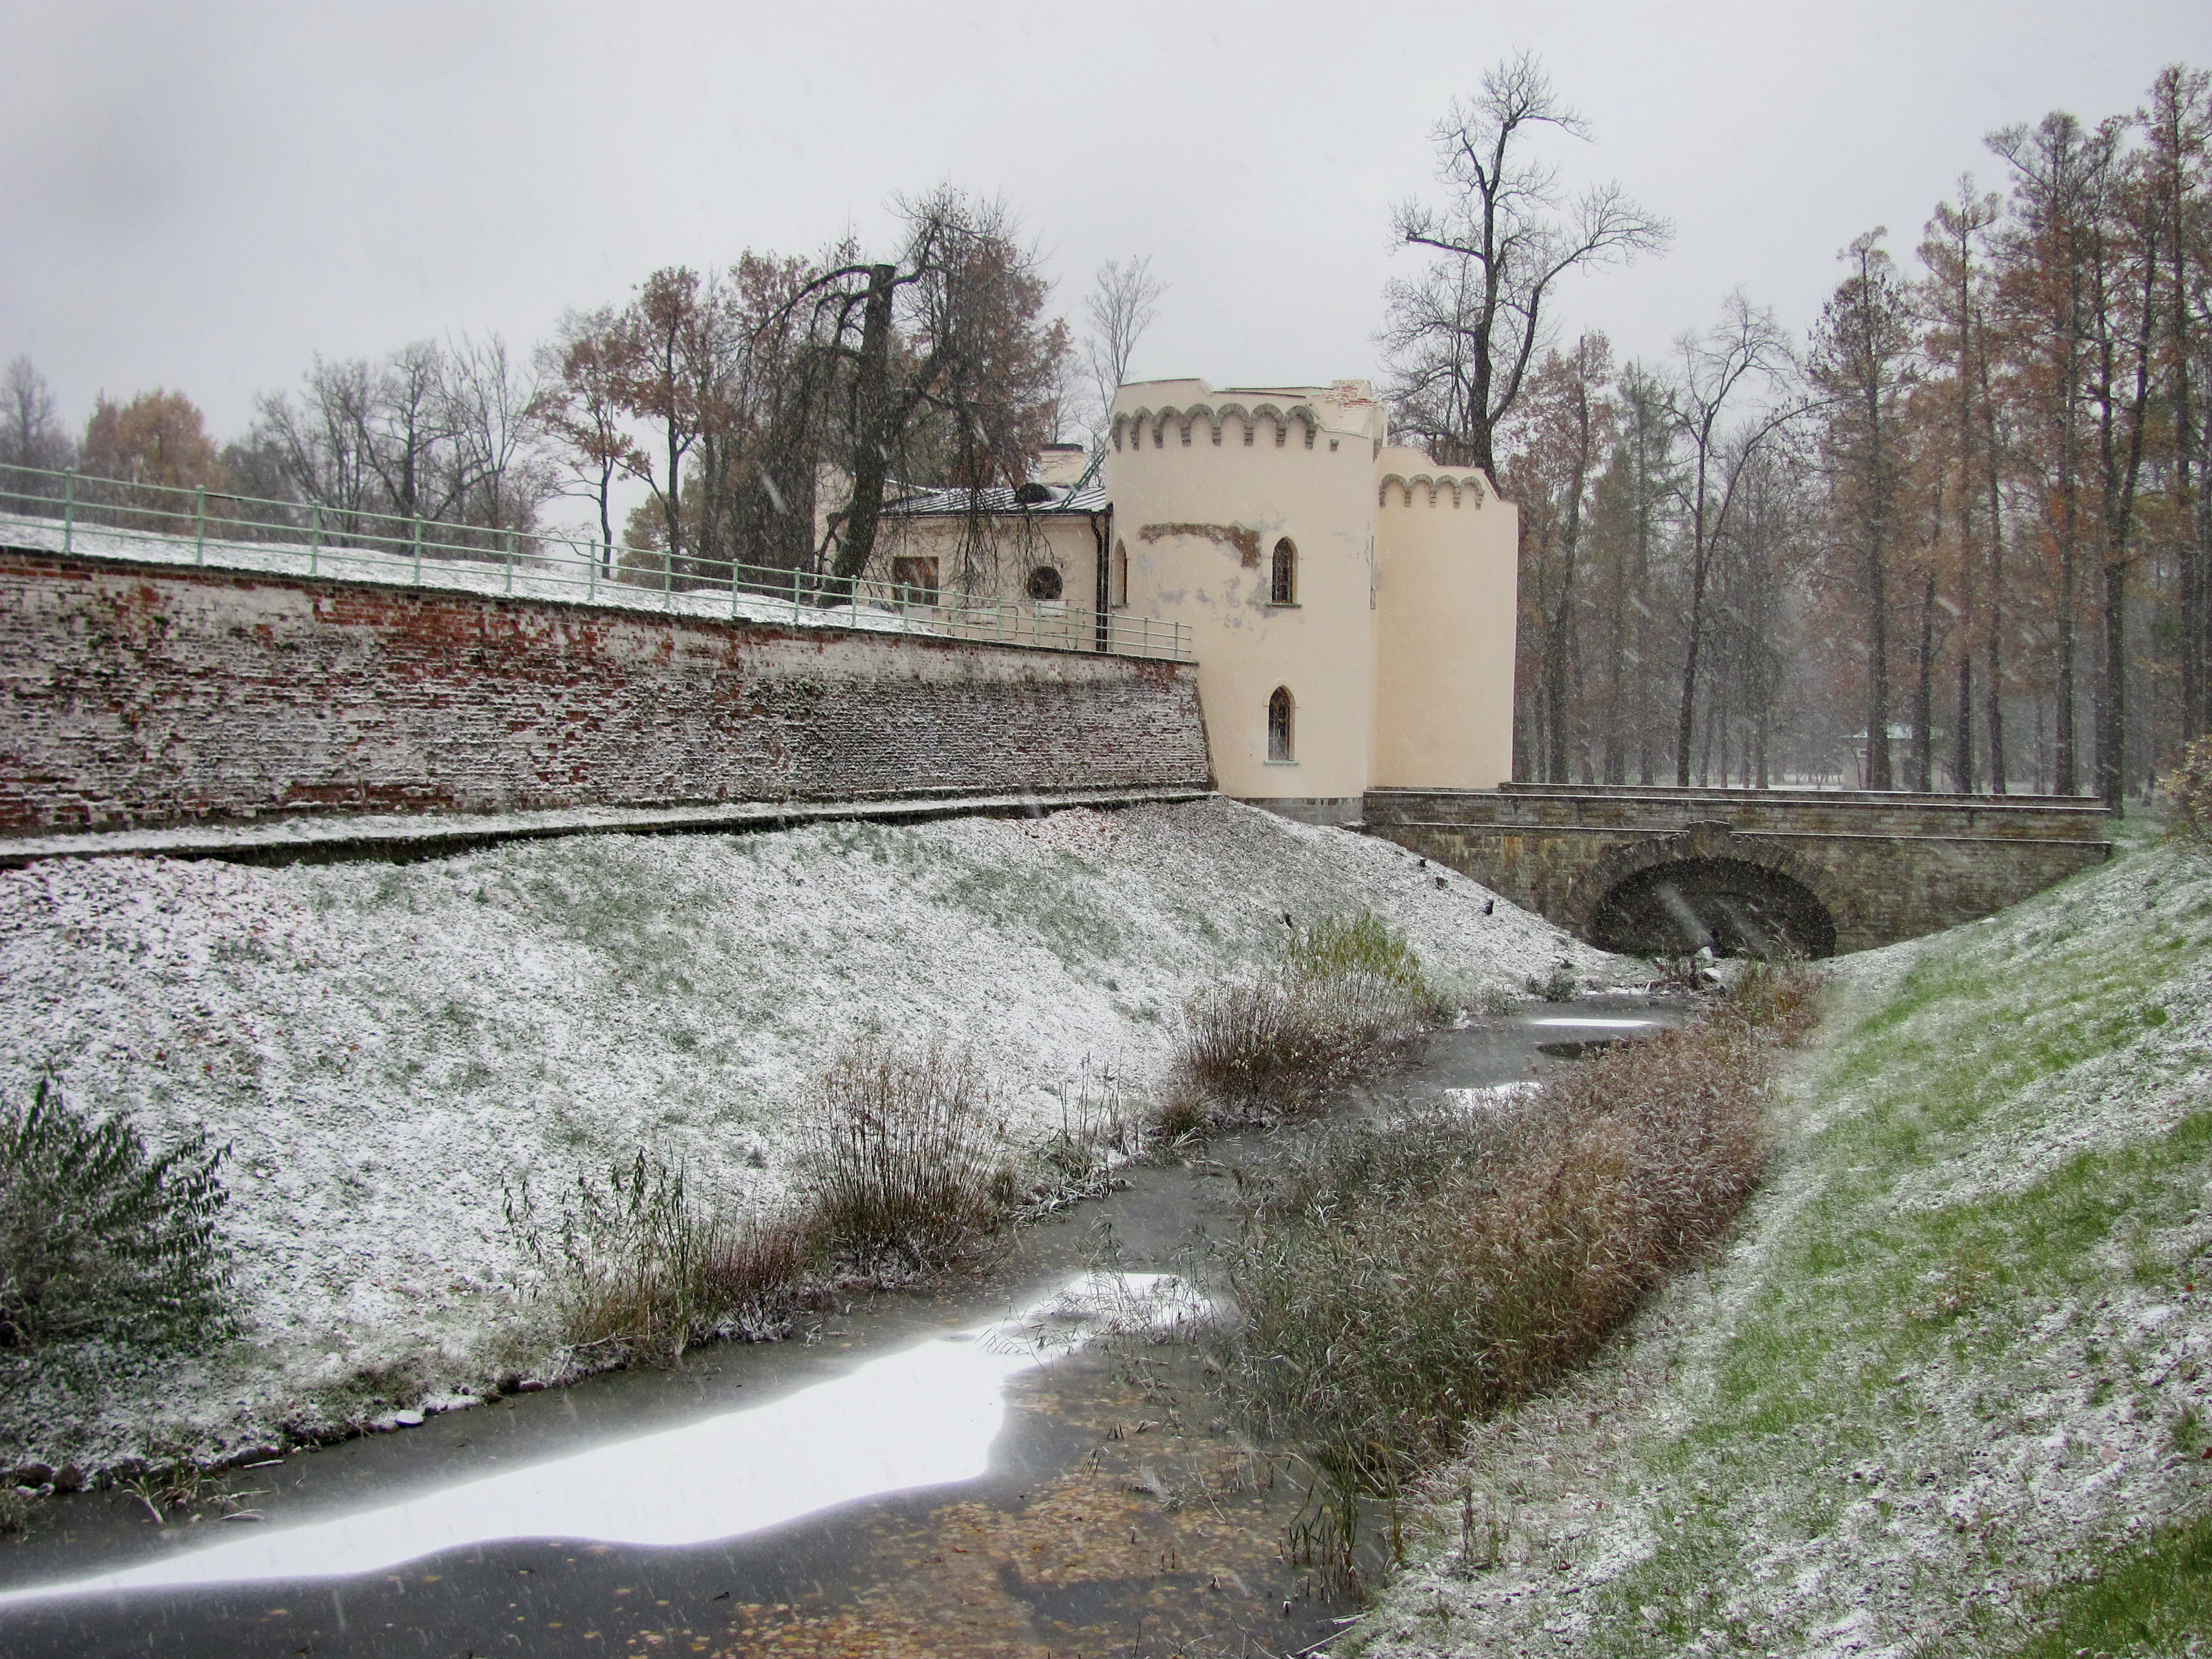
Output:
x=1430 y=487
x=1131 y=426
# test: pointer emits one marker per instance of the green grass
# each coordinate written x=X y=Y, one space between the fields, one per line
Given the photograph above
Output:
x=1890 y=1298
x=2153 y=1599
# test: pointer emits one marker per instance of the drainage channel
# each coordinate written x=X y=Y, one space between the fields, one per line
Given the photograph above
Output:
x=1028 y=1463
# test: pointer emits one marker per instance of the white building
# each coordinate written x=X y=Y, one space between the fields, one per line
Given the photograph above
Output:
x=1350 y=604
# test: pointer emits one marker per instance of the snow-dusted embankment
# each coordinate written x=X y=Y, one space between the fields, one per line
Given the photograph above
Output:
x=388 y=1049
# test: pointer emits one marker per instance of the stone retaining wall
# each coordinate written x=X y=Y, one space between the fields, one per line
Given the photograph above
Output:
x=141 y=694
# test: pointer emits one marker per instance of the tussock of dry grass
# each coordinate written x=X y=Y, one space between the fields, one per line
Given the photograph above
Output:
x=1396 y=1280
x=1345 y=991
x=907 y=1154
x=637 y=1267
x=904 y=1167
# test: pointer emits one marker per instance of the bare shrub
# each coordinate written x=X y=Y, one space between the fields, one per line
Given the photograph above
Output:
x=1344 y=991
x=1102 y=1126
x=2189 y=785
x=638 y=1267
x=1394 y=1280
x=906 y=1154
x=101 y=1239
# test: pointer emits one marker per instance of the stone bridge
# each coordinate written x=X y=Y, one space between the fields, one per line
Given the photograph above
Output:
x=1656 y=871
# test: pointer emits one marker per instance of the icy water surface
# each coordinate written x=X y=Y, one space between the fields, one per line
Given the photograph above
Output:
x=1031 y=1465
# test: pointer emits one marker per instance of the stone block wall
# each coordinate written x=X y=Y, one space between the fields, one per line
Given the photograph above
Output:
x=135 y=695
x=1884 y=869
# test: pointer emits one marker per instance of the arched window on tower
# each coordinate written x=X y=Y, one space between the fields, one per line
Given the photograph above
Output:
x=1279 y=735
x=1117 y=581
x=1284 y=587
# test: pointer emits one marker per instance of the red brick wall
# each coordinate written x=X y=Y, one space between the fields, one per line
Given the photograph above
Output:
x=140 y=695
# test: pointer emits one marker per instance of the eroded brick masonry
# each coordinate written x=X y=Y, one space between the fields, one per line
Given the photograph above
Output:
x=147 y=694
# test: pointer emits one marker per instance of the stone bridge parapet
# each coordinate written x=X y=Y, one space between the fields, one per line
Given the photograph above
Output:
x=1824 y=871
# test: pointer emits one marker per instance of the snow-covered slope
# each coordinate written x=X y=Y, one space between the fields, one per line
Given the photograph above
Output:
x=388 y=1049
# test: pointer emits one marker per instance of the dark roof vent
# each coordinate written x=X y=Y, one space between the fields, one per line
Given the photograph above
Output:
x=1033 y=495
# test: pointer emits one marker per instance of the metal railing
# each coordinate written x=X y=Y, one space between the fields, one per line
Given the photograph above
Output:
x=80 y=514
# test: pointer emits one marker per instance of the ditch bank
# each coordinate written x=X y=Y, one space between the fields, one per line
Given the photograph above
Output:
x=1947 y=1389
x=1117 y=1504
x=389 y=1053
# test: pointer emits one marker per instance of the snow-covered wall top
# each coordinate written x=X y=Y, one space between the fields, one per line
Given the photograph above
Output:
x=145 y=694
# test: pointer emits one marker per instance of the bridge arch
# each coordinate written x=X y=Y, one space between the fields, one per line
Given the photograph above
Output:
x=1706 y=884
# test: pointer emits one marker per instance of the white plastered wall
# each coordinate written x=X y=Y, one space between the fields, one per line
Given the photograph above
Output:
x=1445 y=615
x=1200 y=509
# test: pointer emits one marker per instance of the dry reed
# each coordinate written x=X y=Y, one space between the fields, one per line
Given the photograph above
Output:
x=906 y=1154
x=1394 y=1280
x=1345 y=990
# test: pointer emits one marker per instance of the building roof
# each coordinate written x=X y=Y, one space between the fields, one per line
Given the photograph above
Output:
x=1086 y=495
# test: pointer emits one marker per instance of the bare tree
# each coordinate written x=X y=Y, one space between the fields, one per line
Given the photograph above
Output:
x=1462 y=335
x=1744 y=356
x=1864 y=361
x=1123 y=301
x=498 y=476
x=30 y=434
x=949 y=370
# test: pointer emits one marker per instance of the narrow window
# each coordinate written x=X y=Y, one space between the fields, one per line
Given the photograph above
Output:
x=1117 y=584
x=1044 y=584
x=1278 y=725
x=1285 y=588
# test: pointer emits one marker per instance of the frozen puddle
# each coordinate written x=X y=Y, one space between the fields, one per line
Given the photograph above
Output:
x=1595 y=1025
x=924 y=1416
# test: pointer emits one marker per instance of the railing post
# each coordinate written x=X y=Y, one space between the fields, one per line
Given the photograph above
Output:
x=592 y=572
x=668 y=580
x=69 y=509
x=733 y=587
x=794 y=596
x=510 y=561
x=415 y=520
x=315 y=534
x=199 y=529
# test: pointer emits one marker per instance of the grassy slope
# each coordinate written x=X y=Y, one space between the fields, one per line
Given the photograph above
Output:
x=1953 y=1386
x=387 y=1050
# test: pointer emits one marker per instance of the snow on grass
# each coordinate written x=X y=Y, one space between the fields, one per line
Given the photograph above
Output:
x=389 y=1049
x=1959 y=1359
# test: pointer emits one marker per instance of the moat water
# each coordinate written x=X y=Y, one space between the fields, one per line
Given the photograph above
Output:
x=1028 y=1461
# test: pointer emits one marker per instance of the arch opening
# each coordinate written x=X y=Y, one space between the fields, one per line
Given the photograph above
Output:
x=1737 y=907
x=1280 y=735
x=1283 y=583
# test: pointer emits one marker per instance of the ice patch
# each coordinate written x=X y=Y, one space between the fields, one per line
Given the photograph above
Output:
x=925 y=1416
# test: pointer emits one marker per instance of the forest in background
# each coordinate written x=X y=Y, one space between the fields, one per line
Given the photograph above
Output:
x=1957 y=539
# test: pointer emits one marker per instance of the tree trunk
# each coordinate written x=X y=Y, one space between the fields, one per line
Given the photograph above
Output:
x=1923 y=695
x=1962 y=763
x=870 y=429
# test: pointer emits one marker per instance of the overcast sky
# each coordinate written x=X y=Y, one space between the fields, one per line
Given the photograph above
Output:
x=204 y=197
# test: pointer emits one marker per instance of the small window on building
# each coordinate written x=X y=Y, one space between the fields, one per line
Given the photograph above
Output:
x=1280 y=735
x=914 y=582
x=1045 y=584
x=1117 y=579
x=1283 y=589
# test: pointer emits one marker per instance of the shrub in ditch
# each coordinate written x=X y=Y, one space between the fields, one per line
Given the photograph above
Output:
x=1343 y=991
x=1394 y=1280
x=638 y=1267
x=101 y=1239
x=905 y=1154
